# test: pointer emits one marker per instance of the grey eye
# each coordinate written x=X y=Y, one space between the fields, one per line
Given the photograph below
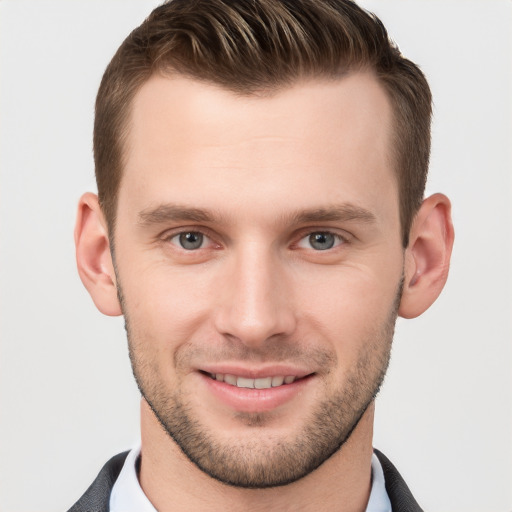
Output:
x=191 y=240
x=322 y=241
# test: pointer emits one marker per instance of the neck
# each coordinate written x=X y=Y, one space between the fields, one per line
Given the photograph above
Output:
x=172 y=482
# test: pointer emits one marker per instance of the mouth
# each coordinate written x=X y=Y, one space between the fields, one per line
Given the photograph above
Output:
x=256 y=391
x=273 y=381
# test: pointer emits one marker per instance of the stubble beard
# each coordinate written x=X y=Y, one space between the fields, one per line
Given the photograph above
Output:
x=260 y=461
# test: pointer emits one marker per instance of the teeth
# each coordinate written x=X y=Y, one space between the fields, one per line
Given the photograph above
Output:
x=261 y=383
x=230 y=379
x=242 y=382
x=277 y=381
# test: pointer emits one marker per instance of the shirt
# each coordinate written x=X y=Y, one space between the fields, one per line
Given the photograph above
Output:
x=127 y=494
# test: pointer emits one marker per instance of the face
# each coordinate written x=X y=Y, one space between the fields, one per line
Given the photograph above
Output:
x=259 y=264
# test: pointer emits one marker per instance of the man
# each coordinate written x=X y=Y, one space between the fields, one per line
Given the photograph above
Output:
x=260 y=224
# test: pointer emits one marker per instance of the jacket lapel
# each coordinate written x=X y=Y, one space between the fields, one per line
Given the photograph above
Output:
x=97 y=497
x=399 y=494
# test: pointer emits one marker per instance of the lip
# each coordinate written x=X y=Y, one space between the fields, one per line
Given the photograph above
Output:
x=256 y=373
x=255 y=400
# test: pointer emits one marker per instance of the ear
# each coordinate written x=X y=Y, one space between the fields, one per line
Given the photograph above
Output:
x=93 y=257
x=427 y=258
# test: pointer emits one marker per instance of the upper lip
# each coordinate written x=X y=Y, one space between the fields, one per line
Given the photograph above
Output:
x=256 y=373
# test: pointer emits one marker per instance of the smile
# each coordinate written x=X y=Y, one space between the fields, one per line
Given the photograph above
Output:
x=260 y=383
x=256 y=390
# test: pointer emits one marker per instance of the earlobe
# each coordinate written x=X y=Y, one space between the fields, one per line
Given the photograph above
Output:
x=93 y=257
x=427 y=258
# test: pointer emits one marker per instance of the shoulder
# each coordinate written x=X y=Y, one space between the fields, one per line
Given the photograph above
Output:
x=97 y=496
x=399 y=493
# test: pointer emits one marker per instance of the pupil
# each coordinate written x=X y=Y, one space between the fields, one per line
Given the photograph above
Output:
x=191 y=240
x=321 y=241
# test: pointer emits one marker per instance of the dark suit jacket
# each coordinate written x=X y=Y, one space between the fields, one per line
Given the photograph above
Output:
x=97 y=497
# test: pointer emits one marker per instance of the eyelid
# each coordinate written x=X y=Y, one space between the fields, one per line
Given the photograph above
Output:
x=301 y=235
x=170 y=234
x=305 y=234
x=205 y=241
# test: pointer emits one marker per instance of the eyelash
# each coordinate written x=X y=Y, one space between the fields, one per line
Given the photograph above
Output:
x=169 y=238
x=338 y=239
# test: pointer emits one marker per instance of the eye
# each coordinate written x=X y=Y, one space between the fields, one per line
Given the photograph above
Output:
x=320 y=241
x=190 y=240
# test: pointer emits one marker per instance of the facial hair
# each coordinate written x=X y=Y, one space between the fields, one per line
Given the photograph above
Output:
x=263 y=461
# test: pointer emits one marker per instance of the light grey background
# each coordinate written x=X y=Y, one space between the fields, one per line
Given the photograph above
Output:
x=67 y=400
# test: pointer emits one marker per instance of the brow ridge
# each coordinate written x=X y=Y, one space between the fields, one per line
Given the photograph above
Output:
x=171 y=212
x=346 y=213
x=336 y=213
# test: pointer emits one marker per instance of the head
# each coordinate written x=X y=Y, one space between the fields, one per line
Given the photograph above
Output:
x=260 y=170
x=253 y=48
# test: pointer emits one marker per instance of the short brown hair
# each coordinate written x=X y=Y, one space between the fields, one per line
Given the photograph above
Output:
x=248 y=46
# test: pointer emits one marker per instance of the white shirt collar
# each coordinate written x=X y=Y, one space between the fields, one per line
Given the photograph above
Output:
x=128 y=496
x=379 y=499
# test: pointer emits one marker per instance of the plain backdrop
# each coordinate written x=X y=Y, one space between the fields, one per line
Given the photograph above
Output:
x=67 y=397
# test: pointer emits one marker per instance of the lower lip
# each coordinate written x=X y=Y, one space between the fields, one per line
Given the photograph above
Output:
x=255 y=400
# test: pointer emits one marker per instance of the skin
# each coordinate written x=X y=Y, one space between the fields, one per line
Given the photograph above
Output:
x=257 y=176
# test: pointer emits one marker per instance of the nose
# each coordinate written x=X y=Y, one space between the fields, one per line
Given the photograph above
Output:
x=255 y=301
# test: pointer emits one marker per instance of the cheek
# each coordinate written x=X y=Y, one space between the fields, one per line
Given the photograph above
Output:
x=164 y=305
x=350 y=307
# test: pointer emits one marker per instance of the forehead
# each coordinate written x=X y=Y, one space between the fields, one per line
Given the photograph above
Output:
x=325 y=138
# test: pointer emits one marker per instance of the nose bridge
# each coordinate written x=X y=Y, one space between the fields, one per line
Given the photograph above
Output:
x=256 y=298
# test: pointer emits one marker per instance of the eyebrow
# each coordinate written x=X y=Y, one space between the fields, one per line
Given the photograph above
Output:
x=177 y=213
x=342 y=213
x=171 y=212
